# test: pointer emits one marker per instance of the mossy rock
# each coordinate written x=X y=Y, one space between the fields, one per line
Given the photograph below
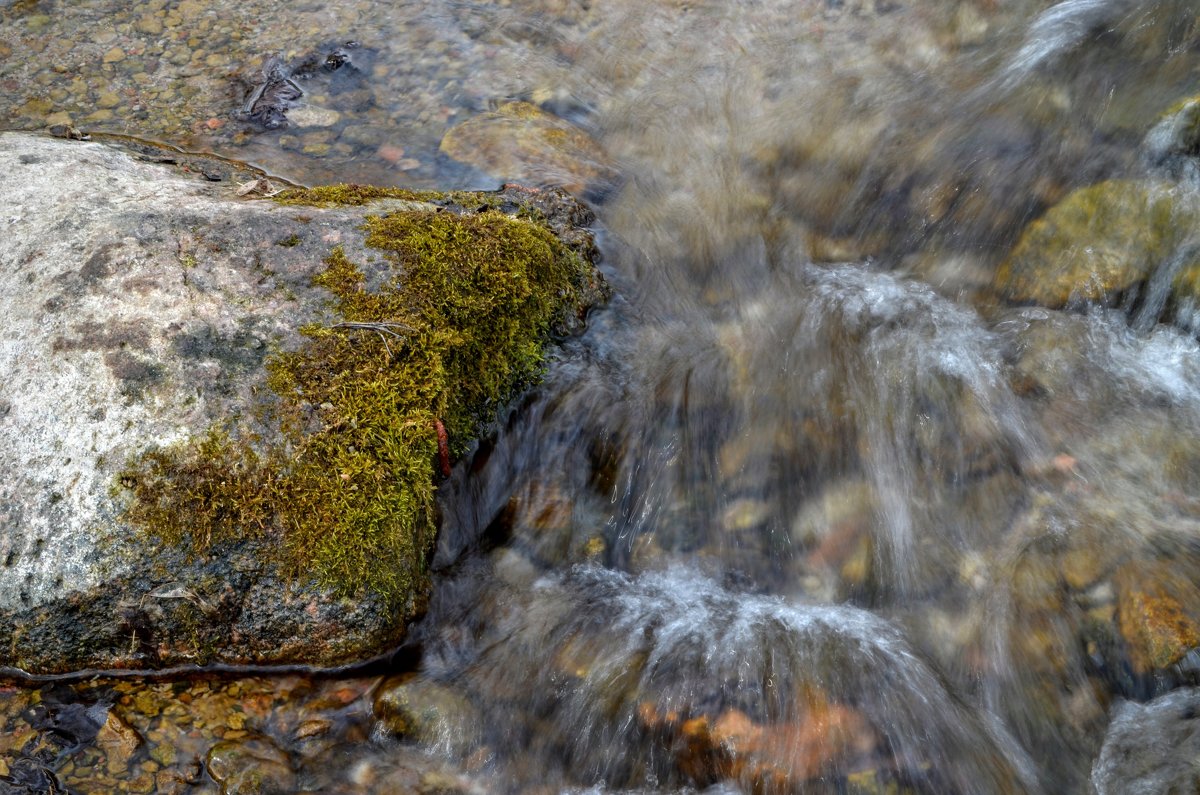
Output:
x=448 y=325
x=1098 y=243
x=229 y=448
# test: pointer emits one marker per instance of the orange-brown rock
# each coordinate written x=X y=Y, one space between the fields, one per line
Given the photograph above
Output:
x=1153 y=622
x=765 y=757
x=119 y=741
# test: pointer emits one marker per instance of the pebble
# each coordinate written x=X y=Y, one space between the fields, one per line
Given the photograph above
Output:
x=246 y=766
x=119 y=740
x=149 y=24
x=313 y=116
x=744 y=514
x=114 y=55
x=36 y=107
x=390 y=153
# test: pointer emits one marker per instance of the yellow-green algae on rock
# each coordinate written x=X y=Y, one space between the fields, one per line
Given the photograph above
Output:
x=444 y=328
x=1098 y=242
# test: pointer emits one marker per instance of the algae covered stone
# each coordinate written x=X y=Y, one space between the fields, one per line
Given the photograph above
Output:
x=222 y=448
x=1098 y=243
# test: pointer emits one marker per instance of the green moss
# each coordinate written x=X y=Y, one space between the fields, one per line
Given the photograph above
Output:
x=345 y=195
x=209 y=490
x=350 y=195
x=289 y=242
x=349 y=489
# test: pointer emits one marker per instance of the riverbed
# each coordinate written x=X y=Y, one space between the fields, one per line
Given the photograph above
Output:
x=878 y=473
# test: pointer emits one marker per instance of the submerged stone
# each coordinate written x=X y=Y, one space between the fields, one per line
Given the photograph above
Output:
x=520 y=141
x=1154 y=618
x=223 y=447
x=1177 y=132
x=1151 y=748
x=418 y=709
x=1098 y=243
x=250 y=766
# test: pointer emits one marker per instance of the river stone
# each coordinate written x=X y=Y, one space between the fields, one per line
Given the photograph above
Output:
x=1176 y=133
x=1154 y=613
x=1151 y=748
x=1098 y=243
x=418 y=709
x=250 y=766
x=520 y=141
x=140 y=304
x=120 y=742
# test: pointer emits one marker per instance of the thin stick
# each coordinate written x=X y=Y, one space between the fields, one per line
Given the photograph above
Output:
x=384 y=329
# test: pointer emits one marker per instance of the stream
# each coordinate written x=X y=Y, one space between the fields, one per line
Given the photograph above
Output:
x=849 y=490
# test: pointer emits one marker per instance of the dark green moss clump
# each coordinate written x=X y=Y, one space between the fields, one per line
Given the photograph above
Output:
x=349 y=488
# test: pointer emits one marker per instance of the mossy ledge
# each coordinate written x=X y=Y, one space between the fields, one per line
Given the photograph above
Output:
x=449 y=324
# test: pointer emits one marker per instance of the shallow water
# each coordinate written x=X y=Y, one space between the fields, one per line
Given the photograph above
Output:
x=811 y=507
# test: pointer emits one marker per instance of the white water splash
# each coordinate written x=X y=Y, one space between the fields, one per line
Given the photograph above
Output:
x=1057 y=30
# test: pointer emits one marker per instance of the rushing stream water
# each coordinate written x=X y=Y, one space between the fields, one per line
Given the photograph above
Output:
x=811 y=507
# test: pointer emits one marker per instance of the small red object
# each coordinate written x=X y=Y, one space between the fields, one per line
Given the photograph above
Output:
x=443 y=447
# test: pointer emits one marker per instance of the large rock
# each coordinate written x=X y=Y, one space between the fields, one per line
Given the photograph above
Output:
x=1151 y=748
x=178 y=391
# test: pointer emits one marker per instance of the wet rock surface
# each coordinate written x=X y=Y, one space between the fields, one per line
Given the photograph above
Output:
x=1151 y=747
x=1102 y=242
x=143 y=304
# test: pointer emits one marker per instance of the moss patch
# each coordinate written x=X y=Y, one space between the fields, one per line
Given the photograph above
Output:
x=451 y=325
x=350 y=195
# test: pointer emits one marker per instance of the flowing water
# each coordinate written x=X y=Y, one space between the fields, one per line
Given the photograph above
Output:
x=812 y=506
